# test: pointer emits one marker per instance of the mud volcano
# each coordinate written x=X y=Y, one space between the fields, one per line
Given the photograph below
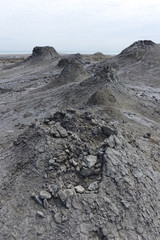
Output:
x=137 y=49
x=79 y=146
x=41 y=54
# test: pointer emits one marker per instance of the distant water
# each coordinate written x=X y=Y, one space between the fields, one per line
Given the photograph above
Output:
x=59 y=51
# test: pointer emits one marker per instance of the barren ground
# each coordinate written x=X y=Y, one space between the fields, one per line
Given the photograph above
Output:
x=80 y=145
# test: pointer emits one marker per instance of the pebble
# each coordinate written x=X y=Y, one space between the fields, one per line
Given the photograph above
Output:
x=85 y=172
x=51 y=161
x=58 y=217
x=41 y=150
x=108 y=131
x=45 y=203
x=36 y=198
x=74 y=163
x=40 y=231
x=45 y=195
x=64 y=218
x=79 y=189
x=93 y=186
x=90 y=161
x=63 y=133
x=62 y=196
x=111 y=141
x=40 y=214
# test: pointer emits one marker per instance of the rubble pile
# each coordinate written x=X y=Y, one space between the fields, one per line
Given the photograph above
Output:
x=84 y=178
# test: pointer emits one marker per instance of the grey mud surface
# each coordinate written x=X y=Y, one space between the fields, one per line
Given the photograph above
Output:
x=80 y=145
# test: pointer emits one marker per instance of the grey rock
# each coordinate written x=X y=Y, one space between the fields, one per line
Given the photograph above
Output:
x=90 y=161
x=55 y=189
x=93 y=186
x=51 y=161
x=79 y=189
x=125 y=203
x=63 y=133
x=86 y=172
x=45 y=195
x=74 y=163
x=54 y=133
x=111 y=141
x=108 y=131
x=45 y=203
x=40 y=231
x=36 y=198
x=62 y=195
x=137 y=173
x=147 y=135
x=64 y=217
x=69 y=192
x=40 y=214
x=118 y=142
x=41 y=150
x=58 y=217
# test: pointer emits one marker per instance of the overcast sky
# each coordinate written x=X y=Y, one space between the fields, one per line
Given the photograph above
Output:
x=77 y=25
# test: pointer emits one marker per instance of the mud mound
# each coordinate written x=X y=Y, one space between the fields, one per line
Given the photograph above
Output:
x=73 y=72
x=105 y=72
x=60 y=142
x=98 y=56
x=72 y=168
x=138 y=62
x=137 y=49
x=103 y=96
x=79 y=93
x=64 y=62
x=41 y=54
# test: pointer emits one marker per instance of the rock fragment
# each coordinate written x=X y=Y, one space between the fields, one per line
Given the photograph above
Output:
x=36 y=198
x=93 y=186
x=86 y=172
x=45 y=203
x=58 y=217
x=90 y=161
x=62 y=195
x=45 y=195
x=108 y=131
x=79 y=189
x=40 y=214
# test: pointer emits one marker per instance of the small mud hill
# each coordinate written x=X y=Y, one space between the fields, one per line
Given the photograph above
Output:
x=41 y=54
x=137 y=49
x=98 y=56
x=65 y=61
x=75 y=86
x=139 y=59
x=101 y=78
x=141 y=52
x=77 y=175
x=73 y=71
x=103 y=96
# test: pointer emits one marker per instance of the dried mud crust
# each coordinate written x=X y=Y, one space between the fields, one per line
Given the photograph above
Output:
x=87 y=173
x=64 y=146
x=75 y=175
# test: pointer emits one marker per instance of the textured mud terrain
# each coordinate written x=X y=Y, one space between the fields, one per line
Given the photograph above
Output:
x=80 y=145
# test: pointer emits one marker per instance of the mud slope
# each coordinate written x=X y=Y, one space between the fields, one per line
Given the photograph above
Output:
x=43 y=54
x=138 y=68
x=80 y=146
x=72 y=72
x=139 y=63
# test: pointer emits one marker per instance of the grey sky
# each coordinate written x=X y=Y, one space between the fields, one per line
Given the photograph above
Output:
x=77 y=25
